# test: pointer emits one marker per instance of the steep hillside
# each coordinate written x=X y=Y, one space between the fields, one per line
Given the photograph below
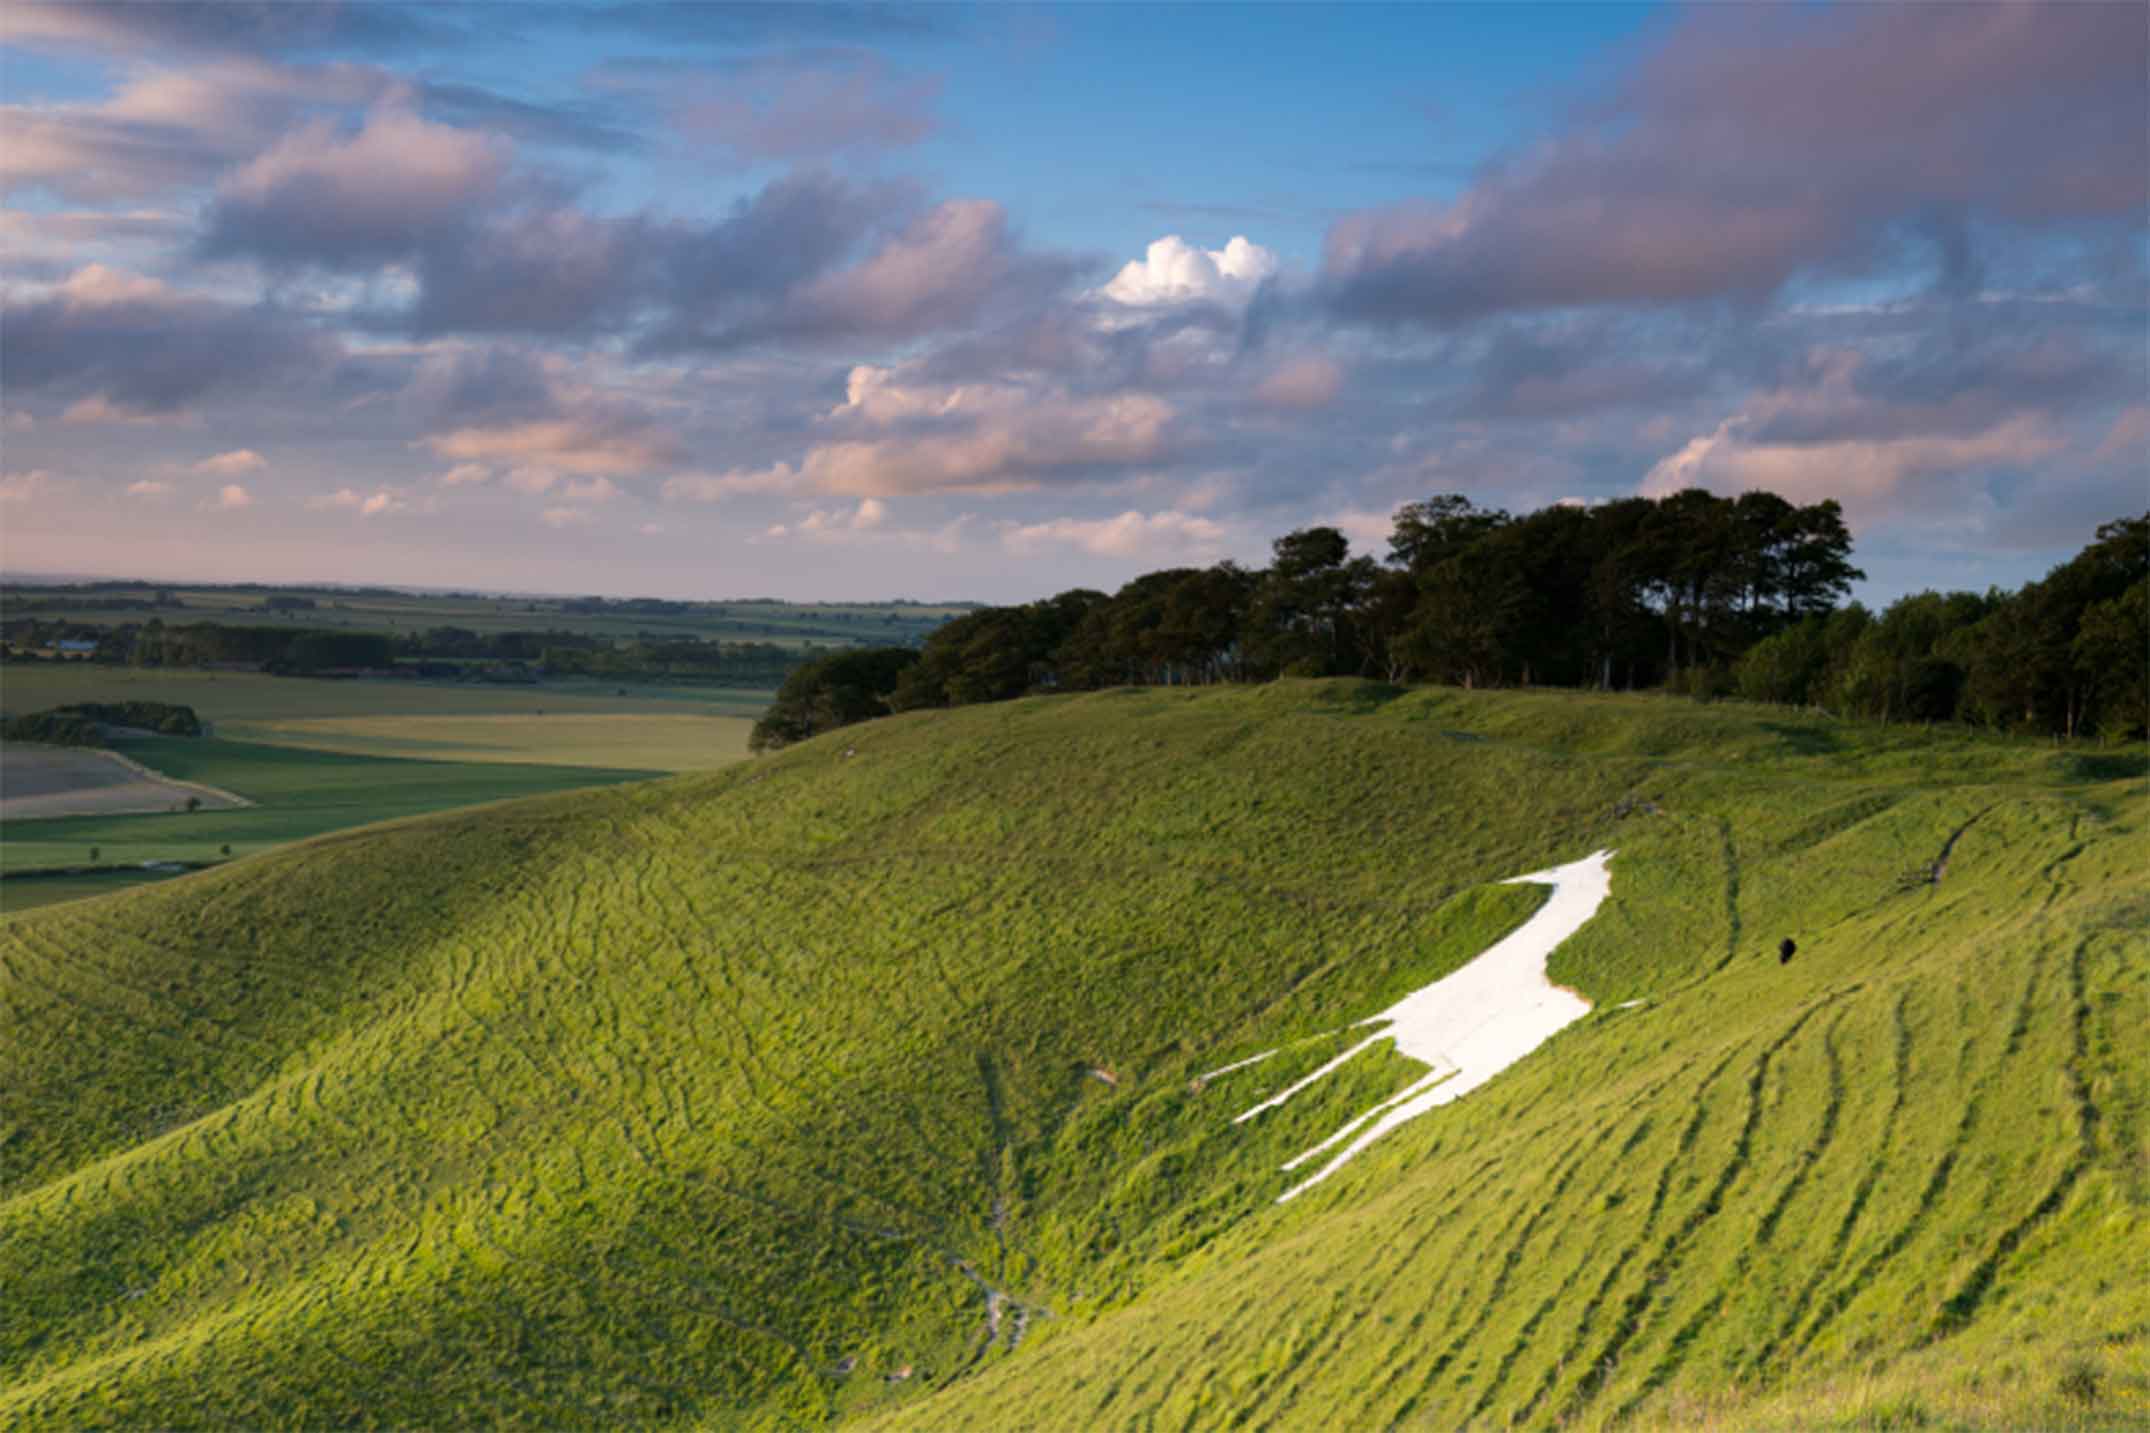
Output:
x=861 y=1082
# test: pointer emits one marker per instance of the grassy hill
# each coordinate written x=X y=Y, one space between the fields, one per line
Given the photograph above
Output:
x=859 y=1083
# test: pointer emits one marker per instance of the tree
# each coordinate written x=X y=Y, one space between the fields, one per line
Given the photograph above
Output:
x=2112 y=658
x=994 y=653
x=1432 y=531
x=1301 y=621
x=2022 y=665
x=1468 y=613
x=832 y=691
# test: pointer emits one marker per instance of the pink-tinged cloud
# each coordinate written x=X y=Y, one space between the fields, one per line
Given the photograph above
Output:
x=816 y=261
x=1868 y=475
x=378 y=503
x=465 y=473
x=232 y=497
x=1304 y=383
x=716 y=487
x=2127 y=442
x=867 y=528
x=235 y=464
x=149 y=488
x=27 y=486
x=1756 y=142
x=167 y=129
x=564 y=517
x=991 y=438
x=324 y=196
x=937 y=270
x=568 y=444
x=1828 y=434
x=99 y=410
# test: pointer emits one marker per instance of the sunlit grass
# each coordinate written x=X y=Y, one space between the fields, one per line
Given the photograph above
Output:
x=720 y=1100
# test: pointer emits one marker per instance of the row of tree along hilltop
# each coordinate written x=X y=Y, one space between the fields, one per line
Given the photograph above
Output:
x=1705 y=595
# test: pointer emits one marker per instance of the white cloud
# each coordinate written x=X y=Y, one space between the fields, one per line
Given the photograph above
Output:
x=377 y=503
x=234 y=464
x=866 y=526
x=1174 y=271
x=1171 y=535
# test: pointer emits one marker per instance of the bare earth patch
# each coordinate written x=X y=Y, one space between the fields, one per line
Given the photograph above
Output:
x=44 y=782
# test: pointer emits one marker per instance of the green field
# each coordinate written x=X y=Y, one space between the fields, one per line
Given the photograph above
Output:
x=795 y=624
x=249 y=696
x=856 y=1083
x=298 y=794
x=288 y=744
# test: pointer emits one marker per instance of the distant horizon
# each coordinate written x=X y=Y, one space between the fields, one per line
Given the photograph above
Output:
x=828 y=301
x=16 y=578
x=1867 y=592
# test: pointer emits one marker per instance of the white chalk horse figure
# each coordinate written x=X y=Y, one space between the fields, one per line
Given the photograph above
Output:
x=1469 y=1025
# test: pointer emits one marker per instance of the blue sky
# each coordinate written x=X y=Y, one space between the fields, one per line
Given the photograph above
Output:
x=853 y=301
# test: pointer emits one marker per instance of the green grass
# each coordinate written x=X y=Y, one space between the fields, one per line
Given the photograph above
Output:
x=716 y=1101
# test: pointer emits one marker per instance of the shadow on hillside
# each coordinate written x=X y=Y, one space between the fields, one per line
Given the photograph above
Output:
x=1362 y=697
x=2104 y=766
x=1805 y=740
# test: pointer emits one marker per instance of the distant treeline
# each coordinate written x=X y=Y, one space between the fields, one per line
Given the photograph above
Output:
x=84 y=723
x=20 y=604
x=1705 y=595
x=435 y=651
x=13 y=590
x=750 y=664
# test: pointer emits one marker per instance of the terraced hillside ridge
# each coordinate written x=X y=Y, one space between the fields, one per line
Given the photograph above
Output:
x=862 y=1083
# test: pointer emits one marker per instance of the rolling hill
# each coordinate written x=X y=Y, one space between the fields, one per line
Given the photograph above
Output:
x=864 y=1083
